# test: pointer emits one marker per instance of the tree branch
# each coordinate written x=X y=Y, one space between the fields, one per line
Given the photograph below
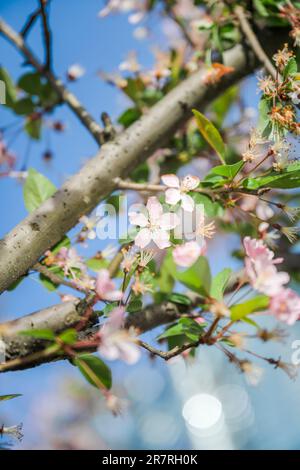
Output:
x=23 y=352
x=65 y=95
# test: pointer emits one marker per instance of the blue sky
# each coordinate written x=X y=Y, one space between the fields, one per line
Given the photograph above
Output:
x=79 y=36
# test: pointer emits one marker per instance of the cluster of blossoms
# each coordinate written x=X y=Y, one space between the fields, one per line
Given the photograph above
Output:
x=155 y=225
x=264 y=277
x=292 y=14
x=282 y=95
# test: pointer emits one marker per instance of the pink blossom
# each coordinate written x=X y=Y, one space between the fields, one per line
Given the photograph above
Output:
x=185 y=255
x=177 y=190
x=68 y=259
x=155 y=225
x=285 y=305
x=118 y=343
x=105 y=287
x=261 y=269
x=257 y=249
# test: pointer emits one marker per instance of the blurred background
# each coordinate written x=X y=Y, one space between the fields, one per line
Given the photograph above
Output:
x=204 y=404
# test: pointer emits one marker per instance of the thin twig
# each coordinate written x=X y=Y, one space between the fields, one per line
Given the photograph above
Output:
x=253 y=41
x=30 y=21
x=47 y=35
x=58 y=280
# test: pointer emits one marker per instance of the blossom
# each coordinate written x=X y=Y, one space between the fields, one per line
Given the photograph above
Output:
x=75 y=72
x=155 y=225
x=261 y=269
x=14 y=431
x=68 y=259
x=177 y=190
x=105 y=287
x=285 y=305
x=185 y=255
x=116 y=342
x=89 y=225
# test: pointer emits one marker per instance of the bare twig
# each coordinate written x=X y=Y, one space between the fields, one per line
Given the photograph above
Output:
x=47 y=34
x=30 y=21
x=57 y=280
x=253 y=41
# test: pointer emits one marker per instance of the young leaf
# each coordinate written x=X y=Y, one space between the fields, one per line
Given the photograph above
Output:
x=10 y=397
x=39 y=334
x=240 y=311
x=96 y=372
x=210 y=134
x=69 y=336
x=197 y=277
x=37 y=189
x=219 y=284
x=179 y=299
x=228 y=171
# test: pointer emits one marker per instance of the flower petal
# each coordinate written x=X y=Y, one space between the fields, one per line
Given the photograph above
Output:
x=155 y=209
x=161 y=238
x=190 y=182
x=143 y=238
x=172 y=196
x=187 y=203
x=168 y=221
x=137 y=218
x=185 y=255
x=170 y=180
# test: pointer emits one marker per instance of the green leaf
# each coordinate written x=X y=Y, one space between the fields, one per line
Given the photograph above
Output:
x=10 y=397
x=219 y=284
x=37 y=189
x=129 y=116
x=197 y=277
x=289 y=178
x=10 y=89
x=96 y=372
x=291 y=68
x=210 y=134
x=24 y=106
x=69 y=336
x=187 y=327
x=211 y=208
x=33 y=128
x=222 y=105
x=96 y=264
x=44 y=334
x=179 y=299
x=31 y=83
x=264 y=108
x=135 y=304
x=240 y=311
x=228 y=171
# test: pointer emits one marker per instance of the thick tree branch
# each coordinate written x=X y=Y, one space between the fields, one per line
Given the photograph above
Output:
x=65 y=95
x=23 y=246
x=24 y=352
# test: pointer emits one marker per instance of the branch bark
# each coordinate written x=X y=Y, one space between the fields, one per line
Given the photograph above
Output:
x=23 y=246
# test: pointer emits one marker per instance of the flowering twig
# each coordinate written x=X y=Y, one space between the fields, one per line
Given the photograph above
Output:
x=58 y=280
